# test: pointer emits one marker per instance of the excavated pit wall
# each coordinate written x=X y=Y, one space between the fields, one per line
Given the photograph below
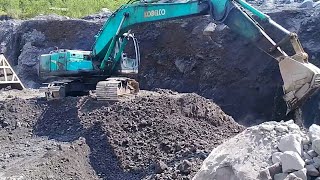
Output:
x=176 y=55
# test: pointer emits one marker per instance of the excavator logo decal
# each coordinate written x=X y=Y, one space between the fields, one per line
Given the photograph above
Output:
x=152 y=13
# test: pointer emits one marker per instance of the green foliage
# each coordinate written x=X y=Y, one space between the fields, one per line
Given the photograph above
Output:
x=71 y=8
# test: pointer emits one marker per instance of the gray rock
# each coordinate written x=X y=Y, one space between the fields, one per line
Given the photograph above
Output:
x=305 y=140
x=306 y=4
x=275 y=169
x=290 y=143
x=316 y=4
x=211 y=27
x=291 y=161
x=265 y=175
x=225 y=173
x=280 y=176
x=103 y=14
x=316 y=161
x=281 y=128
x=292 y=177
x=309 y=161
x=302 y=174
x=306 y=156
x=266 y=127
x=276 y=157
x=312 y=153
x=293 y=127
x=185 y=167
x=314 y=132
x=311 y=170
x=316 y=145
x=160 y=167
x=185 y=65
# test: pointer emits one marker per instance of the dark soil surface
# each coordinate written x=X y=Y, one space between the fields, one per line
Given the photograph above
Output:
x=157 y=135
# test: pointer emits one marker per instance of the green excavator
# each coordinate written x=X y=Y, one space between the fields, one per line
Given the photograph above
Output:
x=106 y=66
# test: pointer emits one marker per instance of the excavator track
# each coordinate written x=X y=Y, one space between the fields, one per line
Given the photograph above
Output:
x=54 y=90
x=106 y=91
x=114 y=88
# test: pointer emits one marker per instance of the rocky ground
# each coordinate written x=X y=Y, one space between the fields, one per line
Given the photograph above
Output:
x=157 y=135
x=160 y=134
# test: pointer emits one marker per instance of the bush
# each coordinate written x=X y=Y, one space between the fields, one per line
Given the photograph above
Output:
x=71 y=8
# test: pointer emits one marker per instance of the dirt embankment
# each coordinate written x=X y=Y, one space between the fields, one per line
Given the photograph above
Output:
x=244 y=81
x=176 y=55
x=156 y=135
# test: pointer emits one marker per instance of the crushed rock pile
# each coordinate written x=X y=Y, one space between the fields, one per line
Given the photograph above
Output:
x=156 y=135
x=166 y=133
x=299 y=155
x=272 y=150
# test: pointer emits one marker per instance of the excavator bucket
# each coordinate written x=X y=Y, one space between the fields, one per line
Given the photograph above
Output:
x=301 y=80
x=8 y=78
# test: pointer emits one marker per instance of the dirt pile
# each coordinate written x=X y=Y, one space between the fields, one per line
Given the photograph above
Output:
x=160 y=134
x=166 y=129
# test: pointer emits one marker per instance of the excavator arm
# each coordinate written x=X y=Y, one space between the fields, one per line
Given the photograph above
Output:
x=301 y=78
x=139 y=12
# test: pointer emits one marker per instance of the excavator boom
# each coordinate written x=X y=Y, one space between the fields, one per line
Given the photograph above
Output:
x=301 y=78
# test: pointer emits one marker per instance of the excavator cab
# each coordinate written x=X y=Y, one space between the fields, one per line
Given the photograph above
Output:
x=130 y=56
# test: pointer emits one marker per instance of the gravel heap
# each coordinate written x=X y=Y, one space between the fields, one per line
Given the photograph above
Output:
x=165 y=133
x=299 y=155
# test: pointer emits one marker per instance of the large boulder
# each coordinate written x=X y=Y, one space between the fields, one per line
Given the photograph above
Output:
x=290 y=143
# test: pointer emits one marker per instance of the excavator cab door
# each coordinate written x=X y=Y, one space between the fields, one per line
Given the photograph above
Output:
x=130 y=56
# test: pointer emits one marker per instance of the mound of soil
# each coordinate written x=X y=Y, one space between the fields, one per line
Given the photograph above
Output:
x=164 y=129
x=152 y=136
